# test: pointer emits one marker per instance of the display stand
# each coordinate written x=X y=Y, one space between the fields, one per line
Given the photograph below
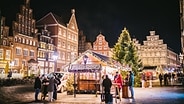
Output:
x=125 y=91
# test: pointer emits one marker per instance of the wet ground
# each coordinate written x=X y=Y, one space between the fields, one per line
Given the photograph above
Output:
x=155 y=95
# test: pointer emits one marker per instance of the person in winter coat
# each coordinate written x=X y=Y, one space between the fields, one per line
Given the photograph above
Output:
x=50 y=88
x=160 y=79
x=143 y=80
x=45 y=83
x=37 y=87
x=119 y=83
x=107 y=86
x=55 y=87
x=131 y=83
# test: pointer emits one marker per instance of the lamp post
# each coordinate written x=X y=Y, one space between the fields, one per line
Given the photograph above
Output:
x=181 y=60
x=55 y=57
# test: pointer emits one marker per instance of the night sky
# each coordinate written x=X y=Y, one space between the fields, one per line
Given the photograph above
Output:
x=110 y=16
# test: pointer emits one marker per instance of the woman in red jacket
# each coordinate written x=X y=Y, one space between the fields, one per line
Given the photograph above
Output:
x=119 y=82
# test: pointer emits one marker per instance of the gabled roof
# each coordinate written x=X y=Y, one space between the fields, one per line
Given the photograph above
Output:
x=93 y=58
x=59 y=20
x=51 y=18
x=101 y=57
x=72 y=24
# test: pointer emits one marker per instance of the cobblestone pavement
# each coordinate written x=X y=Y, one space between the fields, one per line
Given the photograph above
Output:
x=155 y=95
x=158 y=95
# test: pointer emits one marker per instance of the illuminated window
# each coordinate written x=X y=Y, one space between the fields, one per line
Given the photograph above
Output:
x=31 y=42
x=23 y=40
x=8 y=53
x=27 y=41
x=1 y=53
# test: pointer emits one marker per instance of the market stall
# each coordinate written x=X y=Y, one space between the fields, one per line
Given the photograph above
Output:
x=87 y=77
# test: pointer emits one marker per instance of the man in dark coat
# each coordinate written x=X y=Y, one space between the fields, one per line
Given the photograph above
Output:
x=37 y=86
x=131 y=83
x=45 y=83
x=160 y=79
x=58 y=82
x=107 y=86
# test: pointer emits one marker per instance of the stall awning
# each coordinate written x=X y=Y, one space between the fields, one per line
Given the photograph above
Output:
x=81 y=68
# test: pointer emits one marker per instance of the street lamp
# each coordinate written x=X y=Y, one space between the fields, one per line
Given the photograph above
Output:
x=55 y=57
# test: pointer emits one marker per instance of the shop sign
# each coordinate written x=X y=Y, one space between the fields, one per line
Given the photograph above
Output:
x=85 y=67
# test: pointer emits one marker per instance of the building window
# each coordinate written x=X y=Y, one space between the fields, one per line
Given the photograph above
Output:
x=19 y=39
x=74 y=36
x=105 y=48
x=23 y=63
x=60 y=31
x=23 y=40
x=34 y=43
x=25 y=52
x=63 y=45
x=8 y=53
x=100 y=42
x=16 y=62
x=18 y=51
x=59 y=43
x=31 y=42
x=15 y=39
x=68 y=46
x=95 y=48
x=100 y=48
x=32 y=53
x=1 y=53
x=27 y=41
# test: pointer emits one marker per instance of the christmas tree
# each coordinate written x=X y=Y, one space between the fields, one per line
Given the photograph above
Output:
x=125 y=53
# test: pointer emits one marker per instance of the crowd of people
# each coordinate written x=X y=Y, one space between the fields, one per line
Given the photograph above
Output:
x=46 y=86
x=118 y=81
x=165 y=79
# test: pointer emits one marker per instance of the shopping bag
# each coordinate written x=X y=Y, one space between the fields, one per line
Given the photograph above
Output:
x=108 y=98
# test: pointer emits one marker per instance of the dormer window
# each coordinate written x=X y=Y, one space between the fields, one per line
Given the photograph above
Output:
x=15 y=39
x=27 y=41
x=19 y=40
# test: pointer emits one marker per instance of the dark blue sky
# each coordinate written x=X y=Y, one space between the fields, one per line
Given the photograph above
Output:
x=110 y=16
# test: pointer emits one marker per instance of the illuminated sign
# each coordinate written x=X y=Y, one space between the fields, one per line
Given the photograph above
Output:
x=85 y=68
